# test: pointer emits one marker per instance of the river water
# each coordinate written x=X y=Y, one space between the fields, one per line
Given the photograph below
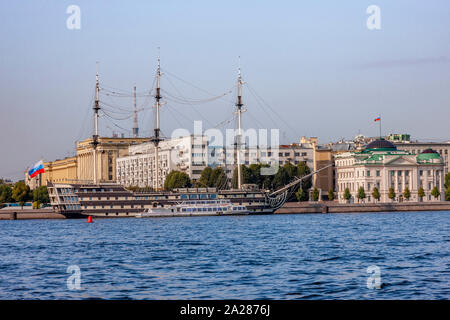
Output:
x=304 y=256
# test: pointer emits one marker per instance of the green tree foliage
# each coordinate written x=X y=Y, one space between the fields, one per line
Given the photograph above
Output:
x=435 y=192
x=205 y=178
x=315 y=194
x=421 y=193
x=331 y=195
x=407 y=193
x=447 y=194
x=301 y=195
x=177 y=179
x=391 y=194
x=447 y=180
x=5 y=193
x=376 y=194
x=218 y=178
x=21 y=193
x=41 y=195
x=361 y=193
x=347 y=194
x=281 y=178
x=284 y=175
x=303 y=170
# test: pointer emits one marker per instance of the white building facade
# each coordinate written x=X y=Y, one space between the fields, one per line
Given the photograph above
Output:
x=382 y=166
x=187 y=154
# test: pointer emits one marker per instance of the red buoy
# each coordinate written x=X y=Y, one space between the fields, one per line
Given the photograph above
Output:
x=89 y=219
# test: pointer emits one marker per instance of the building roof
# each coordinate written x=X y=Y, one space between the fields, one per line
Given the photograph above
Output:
x=380 y=145
x=429 y=156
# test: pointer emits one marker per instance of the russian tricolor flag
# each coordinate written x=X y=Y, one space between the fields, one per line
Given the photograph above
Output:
x=378 y=119
x=37 y=169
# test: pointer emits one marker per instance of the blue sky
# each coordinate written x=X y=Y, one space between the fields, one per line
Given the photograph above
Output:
x=314 y=62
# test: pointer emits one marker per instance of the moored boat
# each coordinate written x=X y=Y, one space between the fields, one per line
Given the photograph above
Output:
x=195 y=208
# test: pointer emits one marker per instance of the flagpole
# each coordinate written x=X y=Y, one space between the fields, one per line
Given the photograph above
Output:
x=380 y=126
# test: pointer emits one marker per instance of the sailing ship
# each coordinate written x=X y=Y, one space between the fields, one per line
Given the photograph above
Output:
x=115 y=200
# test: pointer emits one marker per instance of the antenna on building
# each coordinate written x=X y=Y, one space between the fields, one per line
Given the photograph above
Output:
x=135 y=123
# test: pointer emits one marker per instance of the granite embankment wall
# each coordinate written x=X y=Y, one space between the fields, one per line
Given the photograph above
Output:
x=333 y=207
x=18 y=214
x=290 y=207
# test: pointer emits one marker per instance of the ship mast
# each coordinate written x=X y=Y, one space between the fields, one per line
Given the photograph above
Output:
x=156 y=138
x=239 y=112
x=95 y=135
x=135 y=123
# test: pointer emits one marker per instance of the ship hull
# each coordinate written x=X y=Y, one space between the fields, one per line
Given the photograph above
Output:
x=112 y=200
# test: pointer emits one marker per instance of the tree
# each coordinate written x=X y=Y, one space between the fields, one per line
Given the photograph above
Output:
x=281 y=178
x=331 y=195
x=21 y=193
x=218 y=178
x=391 y=194
x=361 y=193
x=177 y=179
x=303 y=170
x=205 y=177
x=376 y=194
x=435 y=192
x=421 y=193
x=315 y=194
x=447 y=180
x=407 y=193
x=41 y=195
x=301 y=195
x=347 y=194
x=246 y=176
x=5 y=193
x=447 y=194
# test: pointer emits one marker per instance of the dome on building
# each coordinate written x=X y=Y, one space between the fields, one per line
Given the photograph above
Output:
x=429 y=151
x=381 y=144
x=429 y=155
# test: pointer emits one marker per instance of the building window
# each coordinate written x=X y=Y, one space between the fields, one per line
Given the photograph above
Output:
x=378 y=173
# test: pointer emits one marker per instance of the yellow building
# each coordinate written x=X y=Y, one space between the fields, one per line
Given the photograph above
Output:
x=81 y=167
x=324 y=179
x=60 y=171
x=108 y=150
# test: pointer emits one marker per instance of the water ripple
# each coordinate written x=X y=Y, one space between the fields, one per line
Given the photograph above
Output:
x=253 y=257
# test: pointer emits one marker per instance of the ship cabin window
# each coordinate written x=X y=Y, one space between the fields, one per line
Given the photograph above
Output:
x=209 y=209
x=213 y=196
x=93 y=190
x=183 y=209
x=193 y=196
x=203 y=196
x=183 y=196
